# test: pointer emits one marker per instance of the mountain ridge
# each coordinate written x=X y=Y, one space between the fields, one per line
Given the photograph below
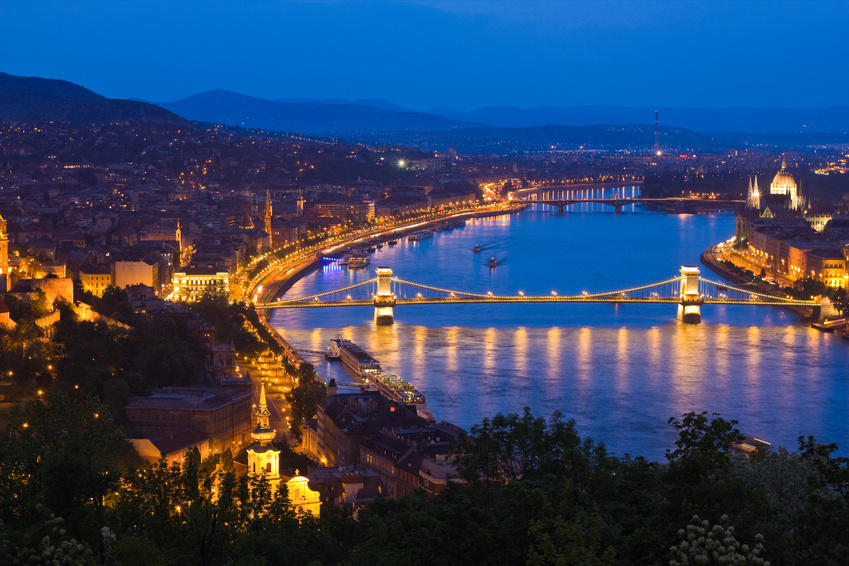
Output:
x=37 y=99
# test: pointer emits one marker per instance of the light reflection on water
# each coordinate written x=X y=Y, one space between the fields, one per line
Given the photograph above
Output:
x=619 y=372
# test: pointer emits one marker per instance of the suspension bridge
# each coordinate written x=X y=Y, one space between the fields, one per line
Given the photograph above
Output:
x=688 y=290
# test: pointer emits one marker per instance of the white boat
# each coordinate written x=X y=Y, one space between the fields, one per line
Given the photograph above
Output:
x=421 y=235
x=358 y=262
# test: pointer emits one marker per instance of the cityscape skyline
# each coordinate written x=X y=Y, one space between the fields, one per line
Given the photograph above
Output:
x=425 y=54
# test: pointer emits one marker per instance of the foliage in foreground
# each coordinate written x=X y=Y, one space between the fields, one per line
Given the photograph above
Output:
x=535 y=493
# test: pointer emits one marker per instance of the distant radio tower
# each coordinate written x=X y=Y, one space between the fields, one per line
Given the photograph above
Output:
x=656 y=132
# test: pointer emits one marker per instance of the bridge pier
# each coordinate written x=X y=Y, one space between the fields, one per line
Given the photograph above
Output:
x=560 y=206
x=384 y=300
x=689 y=309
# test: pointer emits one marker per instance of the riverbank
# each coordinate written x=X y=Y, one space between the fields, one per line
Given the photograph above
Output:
x=712 y=259
x=290 y=277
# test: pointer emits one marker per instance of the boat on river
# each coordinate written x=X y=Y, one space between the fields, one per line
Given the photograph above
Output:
x=353 y=357
x=477 y=249
x=421 y=235
x=493 y=263
x=397 y=389
x=829 y=324
x=359 y=262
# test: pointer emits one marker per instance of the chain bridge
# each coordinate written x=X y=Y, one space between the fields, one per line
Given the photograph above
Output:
x=688 y=290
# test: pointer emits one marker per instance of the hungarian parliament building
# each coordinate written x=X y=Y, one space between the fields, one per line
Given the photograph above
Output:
x=789 y=238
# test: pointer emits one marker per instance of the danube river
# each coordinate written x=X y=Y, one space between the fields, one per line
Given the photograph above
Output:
x=619 y=371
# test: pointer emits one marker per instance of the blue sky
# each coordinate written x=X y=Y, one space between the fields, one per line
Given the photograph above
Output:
x=460 y=53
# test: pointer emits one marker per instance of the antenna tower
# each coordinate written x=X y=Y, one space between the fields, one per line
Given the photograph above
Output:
x=656 y=132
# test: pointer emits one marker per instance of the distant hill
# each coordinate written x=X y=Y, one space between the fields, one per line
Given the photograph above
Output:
x=833 y=120
x=371 y=102
x=43 y=100
x=504 y=140
x=315 y=118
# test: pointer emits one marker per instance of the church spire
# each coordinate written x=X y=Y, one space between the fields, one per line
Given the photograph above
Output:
x=262 y=411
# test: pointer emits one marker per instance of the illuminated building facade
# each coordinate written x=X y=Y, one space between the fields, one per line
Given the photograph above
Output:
x=191 y=282
x=263 y=457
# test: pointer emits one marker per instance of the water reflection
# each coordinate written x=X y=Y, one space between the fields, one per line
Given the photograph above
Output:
x=620 y=373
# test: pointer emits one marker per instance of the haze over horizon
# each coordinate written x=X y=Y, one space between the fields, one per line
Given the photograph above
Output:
x=422 y=54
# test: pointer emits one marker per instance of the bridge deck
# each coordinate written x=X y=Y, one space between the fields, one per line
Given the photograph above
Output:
x=503 y=300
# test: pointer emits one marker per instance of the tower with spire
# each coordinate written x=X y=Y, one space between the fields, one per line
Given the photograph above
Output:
x=268 y=217
x=754 y=199
x=263 y=457
x=301 y=201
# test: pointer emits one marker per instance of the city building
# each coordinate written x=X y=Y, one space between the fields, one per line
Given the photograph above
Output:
x=223 y=416
x=192 y=281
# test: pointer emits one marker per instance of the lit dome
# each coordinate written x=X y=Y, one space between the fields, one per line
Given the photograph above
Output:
x=783 y=182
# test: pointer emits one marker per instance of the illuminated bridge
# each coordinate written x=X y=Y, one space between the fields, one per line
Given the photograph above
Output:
x=688 y=290
x=561 y=199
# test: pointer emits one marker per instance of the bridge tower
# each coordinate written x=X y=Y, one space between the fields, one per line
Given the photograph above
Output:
x=384 y=300
x=689 y=309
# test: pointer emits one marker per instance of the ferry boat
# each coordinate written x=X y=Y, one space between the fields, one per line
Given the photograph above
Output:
x=829 y=324
x=477 y=249
x=353 y=357
x=421 y=235
x=397 y=389
x=493 y=263
x=359 y=262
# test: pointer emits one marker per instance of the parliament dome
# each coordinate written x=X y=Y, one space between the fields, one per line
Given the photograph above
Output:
x=783 y=182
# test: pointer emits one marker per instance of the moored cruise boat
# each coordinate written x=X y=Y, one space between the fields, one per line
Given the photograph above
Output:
x=397 y=389
x=421 y=235
x=359 y=262
x=459 y=223
x=353 y=357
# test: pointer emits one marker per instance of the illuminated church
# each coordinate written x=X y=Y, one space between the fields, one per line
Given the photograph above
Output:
x=263 y=457
x=264 y=460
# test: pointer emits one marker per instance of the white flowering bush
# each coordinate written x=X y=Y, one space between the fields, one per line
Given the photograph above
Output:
x=56 y=549
x=706 y=545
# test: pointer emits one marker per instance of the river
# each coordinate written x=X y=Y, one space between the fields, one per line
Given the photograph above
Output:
x=621 y=371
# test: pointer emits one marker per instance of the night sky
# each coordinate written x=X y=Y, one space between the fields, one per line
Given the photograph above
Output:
x=461 y=53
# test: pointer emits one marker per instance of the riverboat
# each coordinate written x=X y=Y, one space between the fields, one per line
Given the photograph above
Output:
x=397 y=389
x=493 y=263
x=421 y=235
x=359 y=262
x=353 y=357
x=459 y=223
x=392 y=242
x=477 y=249
x=829 y=324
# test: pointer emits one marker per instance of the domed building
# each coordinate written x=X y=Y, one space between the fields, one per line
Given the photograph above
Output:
x=783 y=200
x=784 y=184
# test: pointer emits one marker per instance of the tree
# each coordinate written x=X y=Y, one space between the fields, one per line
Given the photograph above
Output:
x=305 y=397
x=703 y=544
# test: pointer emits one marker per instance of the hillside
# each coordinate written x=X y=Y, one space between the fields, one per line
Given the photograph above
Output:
x=33 y=99
x=315 y=118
